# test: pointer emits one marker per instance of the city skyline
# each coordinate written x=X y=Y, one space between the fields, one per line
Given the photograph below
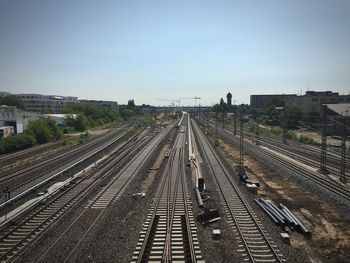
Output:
x=144 y=51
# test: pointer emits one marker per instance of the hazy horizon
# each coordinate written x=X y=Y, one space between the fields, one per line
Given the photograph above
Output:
x=149 y=50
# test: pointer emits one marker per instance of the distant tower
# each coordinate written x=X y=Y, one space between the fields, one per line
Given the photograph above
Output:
x=229 y=99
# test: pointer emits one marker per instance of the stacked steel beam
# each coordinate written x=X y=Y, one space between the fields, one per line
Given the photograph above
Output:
x=282 y=216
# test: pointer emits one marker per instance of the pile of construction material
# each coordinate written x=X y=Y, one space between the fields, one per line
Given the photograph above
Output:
x=282 y=216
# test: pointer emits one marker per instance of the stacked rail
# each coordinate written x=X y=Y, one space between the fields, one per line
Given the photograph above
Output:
x=254 y=243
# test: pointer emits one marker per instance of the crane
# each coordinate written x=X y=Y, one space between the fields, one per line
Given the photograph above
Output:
x=178 y=101
x=194 y=98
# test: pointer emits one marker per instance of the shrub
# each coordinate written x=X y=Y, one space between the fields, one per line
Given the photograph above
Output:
x=16 y=142
x=44 y=130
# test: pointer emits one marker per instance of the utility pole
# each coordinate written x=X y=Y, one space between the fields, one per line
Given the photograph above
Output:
x=342 y=161
x=343 y=148
x=207 y=120
x=241 y=156
x=235 y=122
x=241 y=172
x=223 y=120
x=216 y=129
x=257 y=130
x=323 y=162
x=285 y=123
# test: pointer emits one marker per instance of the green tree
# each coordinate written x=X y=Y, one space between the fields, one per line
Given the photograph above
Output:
x=12 y=100
x=16 y=142
x=56 y=131
x=44 y=130
x=93 y=116
x=131 y=103
x=128 y=113
x=40 y=131
x=81 y=123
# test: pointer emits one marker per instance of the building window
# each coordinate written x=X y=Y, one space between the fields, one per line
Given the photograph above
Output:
x=314 y=99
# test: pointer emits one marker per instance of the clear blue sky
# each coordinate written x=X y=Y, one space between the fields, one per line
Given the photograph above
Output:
x=116 y=50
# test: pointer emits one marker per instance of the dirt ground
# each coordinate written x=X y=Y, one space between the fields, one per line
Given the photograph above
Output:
x=330 y=241
x=95 y=132
x=147 y=183
x=163 y=119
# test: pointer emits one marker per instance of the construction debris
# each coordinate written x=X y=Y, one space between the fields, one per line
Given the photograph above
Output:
x=285 y=238
x=209 y=216
x=216 y=234
x=252 y=188
x=139 y=194
x=282 y=216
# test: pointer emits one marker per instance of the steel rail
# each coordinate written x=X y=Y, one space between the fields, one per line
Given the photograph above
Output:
x=38 y=185
x=73 y=151
x=169 y=210
x=206 y=147
x=326 y=183
x=141 y=255
x=321 y=180
x=15 y=155
x=188 y=224
x=125 y=176
x=302 y=158
x=80 y=191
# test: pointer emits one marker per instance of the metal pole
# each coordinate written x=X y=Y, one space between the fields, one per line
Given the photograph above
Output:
x=216 y=130
x=342 y=161
x=235 y=122
x=284 y=124
x=223 y=120
x=257 y=130
x=241 y=156
x=207 y=120
x=323 y=162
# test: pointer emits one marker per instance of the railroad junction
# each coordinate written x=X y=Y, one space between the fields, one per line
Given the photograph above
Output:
x=172 y=192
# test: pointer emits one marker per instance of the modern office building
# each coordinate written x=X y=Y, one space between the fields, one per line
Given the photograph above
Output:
x=310 y=101
x=259 y=102
x=45 y=103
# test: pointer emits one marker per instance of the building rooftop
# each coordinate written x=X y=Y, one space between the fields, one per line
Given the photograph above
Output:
x=342 y=109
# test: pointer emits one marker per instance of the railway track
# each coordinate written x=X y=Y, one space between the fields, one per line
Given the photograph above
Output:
x=307 y=154
x=14 y=240
x=62 y=157
x=302 y=156
x=325 y=182
x=94 y=208
x=9 y=158
x=30 y=183
x=255 y=245
x=169 y=233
